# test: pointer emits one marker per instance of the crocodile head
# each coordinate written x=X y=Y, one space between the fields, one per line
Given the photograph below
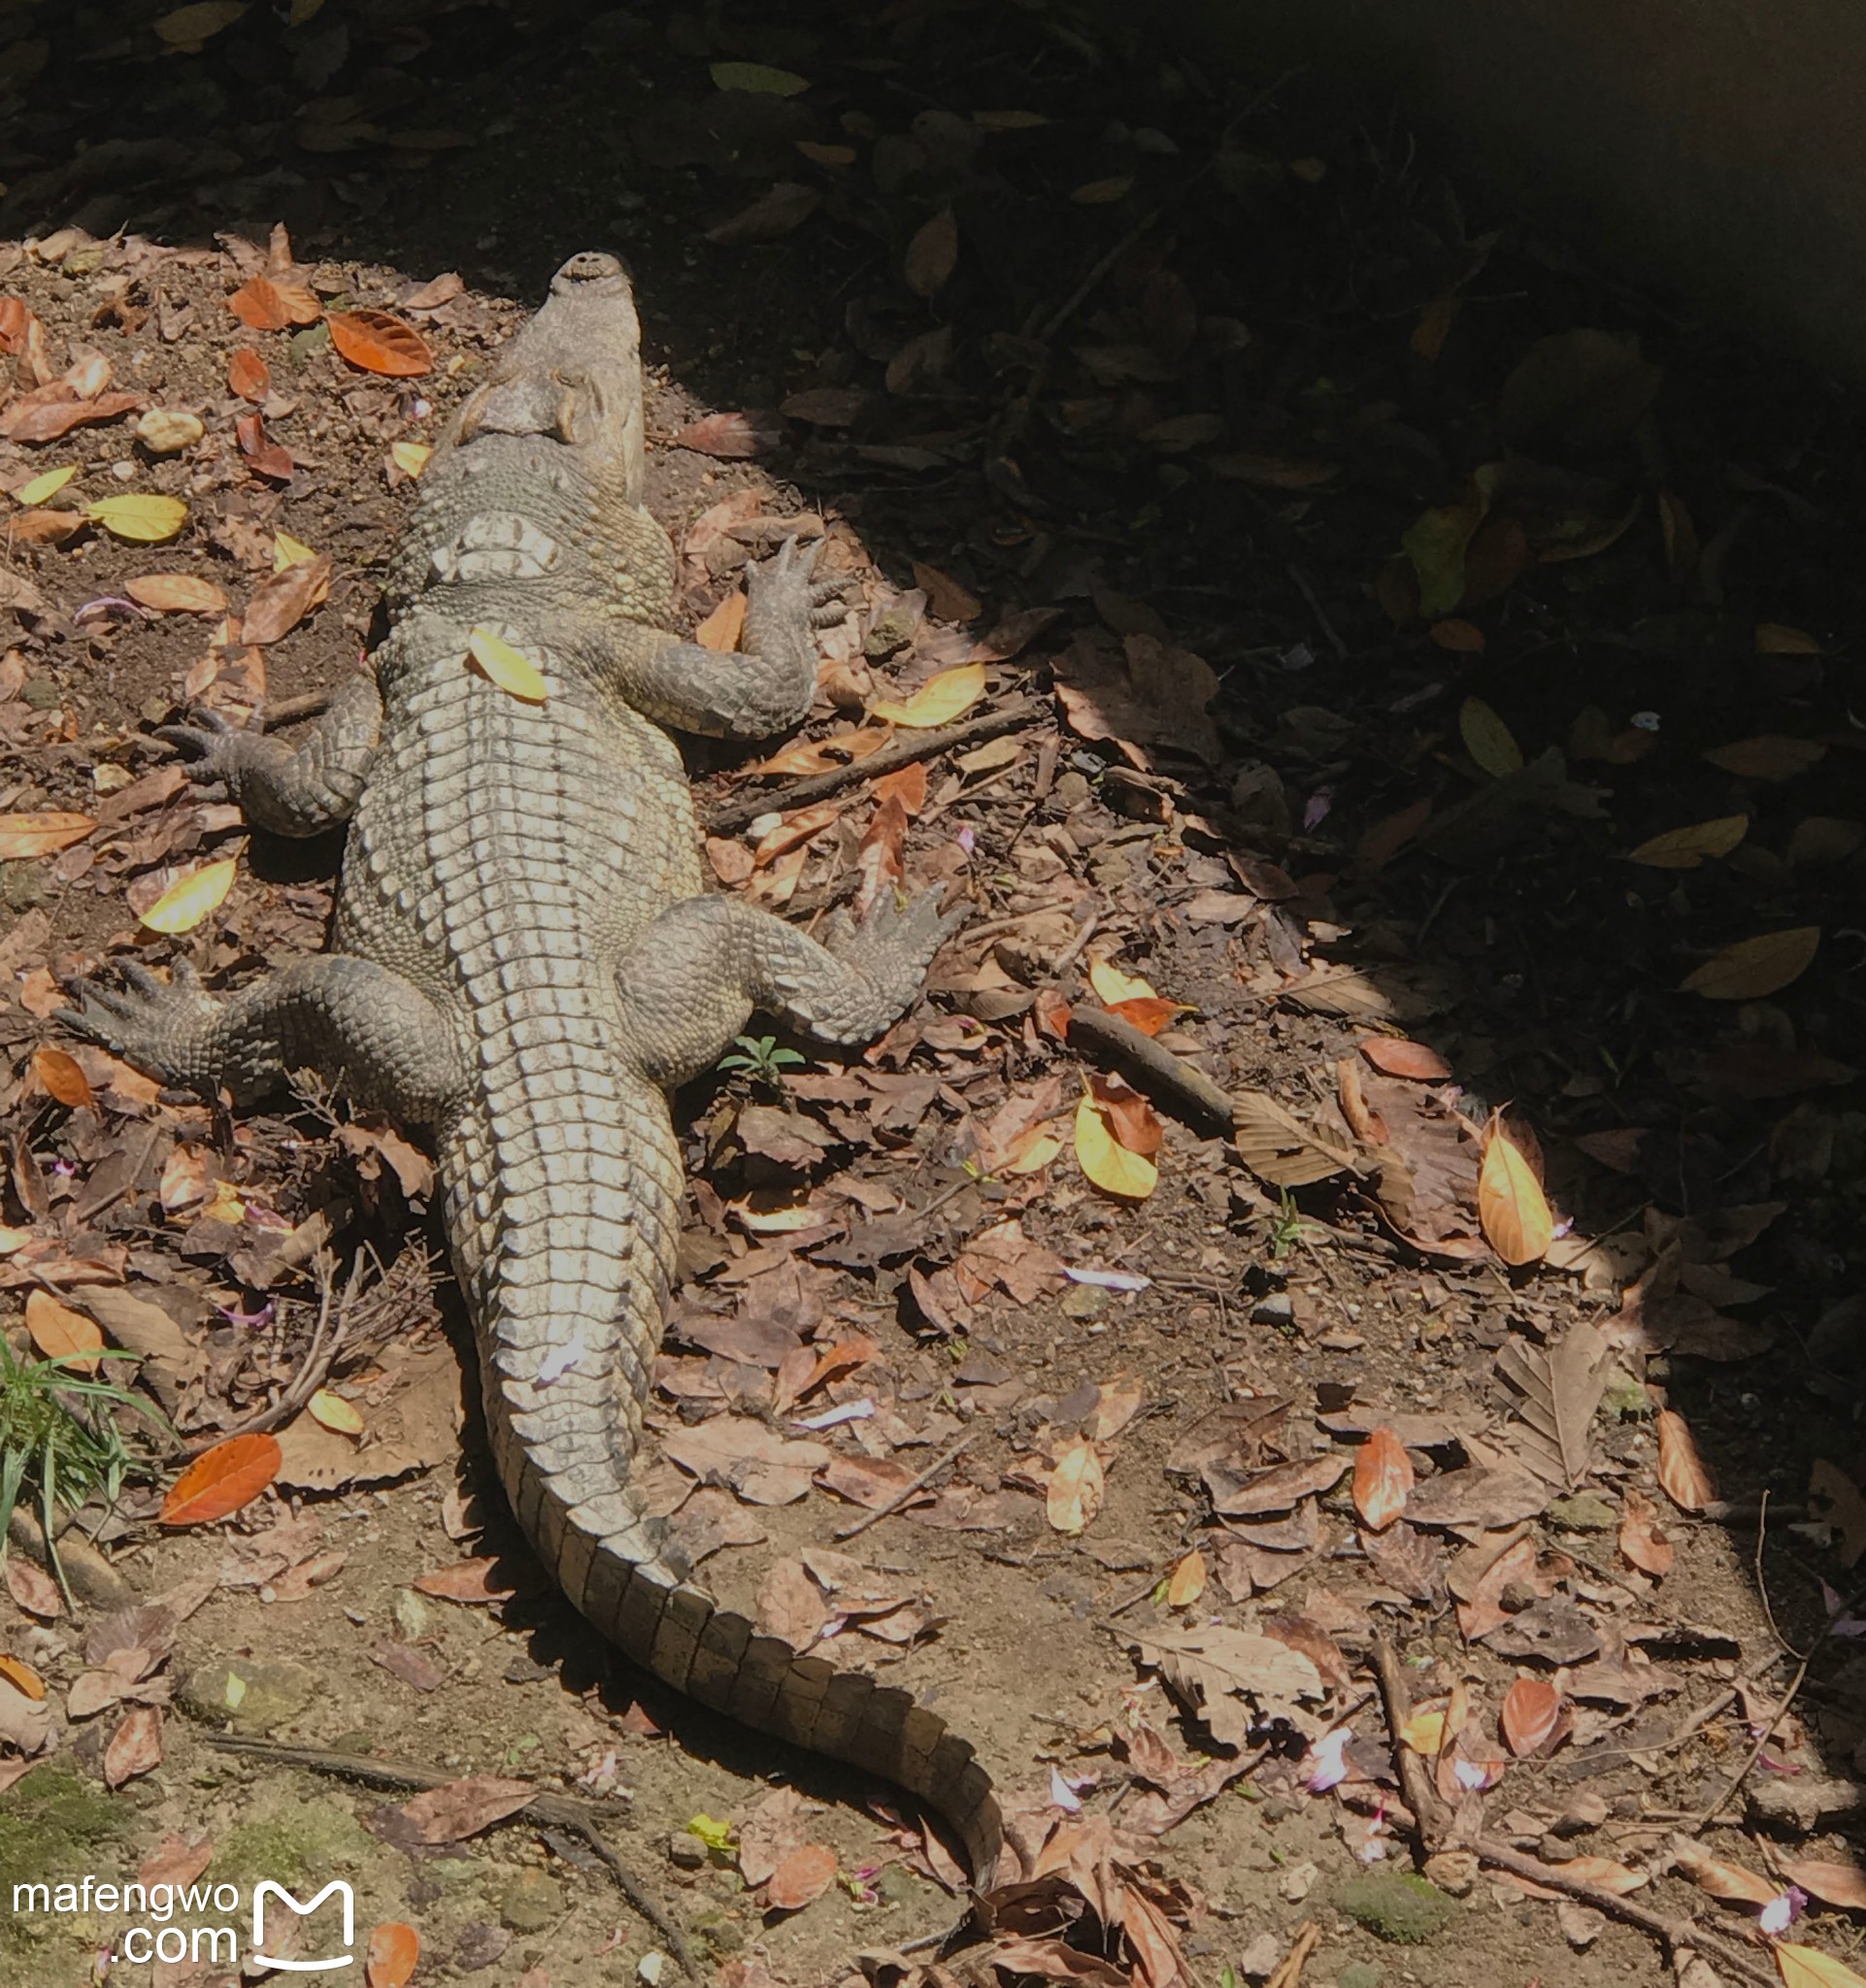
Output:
x=574 y=374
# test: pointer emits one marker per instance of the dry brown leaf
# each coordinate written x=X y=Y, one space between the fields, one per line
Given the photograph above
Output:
x=932 y=255
x=1187 y=1581
x=1228 y=1678
x=60 y=1333
x=61 y=1078
x=1721 y=1879
x=1641 y=1541
x=177 y=593
x=1278 y=1147
x=1560 y=1386
x=721 y=629
x=1075 y=1488
x=24 y=836
x=134 y=1747
x=1842 y=1885
x=282 y=600
x=462 y=1809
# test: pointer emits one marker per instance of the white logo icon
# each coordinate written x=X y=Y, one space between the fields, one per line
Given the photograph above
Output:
x=304 y=1911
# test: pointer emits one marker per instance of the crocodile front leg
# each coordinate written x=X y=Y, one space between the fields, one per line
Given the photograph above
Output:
x=767 y=688
x=295 y=790
x=365 y=1029
x=694 y=977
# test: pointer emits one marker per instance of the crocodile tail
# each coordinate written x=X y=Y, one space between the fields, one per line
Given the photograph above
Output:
x=568 y=1282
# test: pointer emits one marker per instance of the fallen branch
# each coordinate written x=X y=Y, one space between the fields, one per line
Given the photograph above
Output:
x=1289 y=1972
x=1421 y=1798
x=908 y=1490
x=1172 y=1082
x=1678 y=1935
x=556 y=1812
x=731 y=817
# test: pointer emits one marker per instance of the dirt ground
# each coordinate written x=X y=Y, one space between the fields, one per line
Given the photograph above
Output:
x=1346 y=589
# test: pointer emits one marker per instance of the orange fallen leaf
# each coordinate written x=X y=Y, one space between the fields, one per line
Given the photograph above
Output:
x=262 y=305
x=222 y=1480
x=249 y=375
x=22 y=1677
x=805 y=1875
x=392 y=1952
x=61 y=1079
x=1383 y=1479
x=720 y=630
x=378 y=342
x=1148 y=1013
x=1396 y=1056
x=1681 y=1472
x=1514 y=1212
x=1531 y=1712
x=1721 y=1880
x=1641 y=1541
x=62 y=1334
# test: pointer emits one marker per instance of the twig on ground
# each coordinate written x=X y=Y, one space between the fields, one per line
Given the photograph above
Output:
x=326 y=1337
x=908 y=1490
x=559 y=1811
x=1421 y=1798
x=1073 y=952
x=287 y=711
x=1679 y=1935
x=1170 y=1081
x=1289 y=1969
x=731 y=817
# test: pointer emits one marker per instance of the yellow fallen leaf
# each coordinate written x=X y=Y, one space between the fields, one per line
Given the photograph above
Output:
x=1113 y=986
x=1807 y=1967
x=188 y=27
x=1187 y=1584
x=1424 y=1734
x=1752 y=969
x=775 y=1221
x=335 y=1413
x=1074 y=1494
x=1108 y=1164
x=939 y=700
x=192 y=898
x=1511 y=1208
x=1488 y=740
x=1102 y=192
x=511 y=668
x=287 y=552
x=47 y=485
x=410 y=457
x=1684 y=848
x=22 y=1677
x=146 y=518
x=759 y=78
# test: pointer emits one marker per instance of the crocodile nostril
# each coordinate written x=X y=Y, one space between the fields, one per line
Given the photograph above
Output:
x=592 y=266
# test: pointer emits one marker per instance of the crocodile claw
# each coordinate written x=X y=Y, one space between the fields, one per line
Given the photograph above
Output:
x=893 y=947
x=207 y=744
x=150 y=1022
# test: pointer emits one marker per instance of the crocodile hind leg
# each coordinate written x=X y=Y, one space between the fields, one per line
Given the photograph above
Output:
x=695 y=977
x=295 y=790
x=363 y=1028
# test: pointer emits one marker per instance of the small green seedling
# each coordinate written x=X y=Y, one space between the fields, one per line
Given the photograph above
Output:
x=763 y=1059
x=60 y=1440
x=1287 y=1233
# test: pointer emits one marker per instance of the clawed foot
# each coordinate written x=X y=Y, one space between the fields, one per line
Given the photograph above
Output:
x=161 y=1027
x=893 y=947
x=208 y=746
x=786 y=586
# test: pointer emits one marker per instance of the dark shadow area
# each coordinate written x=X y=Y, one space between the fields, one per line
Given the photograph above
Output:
x=1409 y=577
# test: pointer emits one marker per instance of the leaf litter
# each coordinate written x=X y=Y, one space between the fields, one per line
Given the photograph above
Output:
x=1424 y=1393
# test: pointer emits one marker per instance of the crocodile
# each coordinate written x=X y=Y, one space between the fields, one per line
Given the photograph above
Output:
x=525 y=960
